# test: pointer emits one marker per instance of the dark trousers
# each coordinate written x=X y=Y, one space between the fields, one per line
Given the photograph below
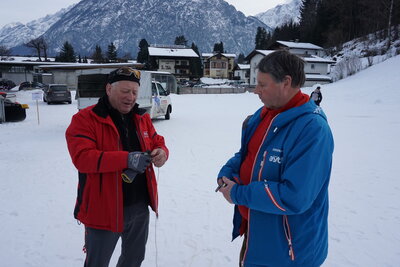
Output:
x=100 y=244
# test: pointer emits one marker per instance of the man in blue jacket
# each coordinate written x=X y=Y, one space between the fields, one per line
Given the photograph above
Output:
x=279 y=179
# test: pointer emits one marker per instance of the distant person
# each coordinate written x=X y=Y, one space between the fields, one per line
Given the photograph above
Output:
x=316 y=95
x=108 y=143
x=279 y=179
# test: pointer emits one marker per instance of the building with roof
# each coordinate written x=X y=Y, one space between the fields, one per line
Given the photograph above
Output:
x=218 y=65
x=241 y=72
x=316 y=68
x=30 y=70
x=173 y=59
x=297 y=48
x=68 y=73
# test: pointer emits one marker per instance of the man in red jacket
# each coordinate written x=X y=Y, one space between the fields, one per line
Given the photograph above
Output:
x=112 y=144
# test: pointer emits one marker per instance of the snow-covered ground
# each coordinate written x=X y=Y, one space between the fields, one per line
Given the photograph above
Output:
x=38 y=181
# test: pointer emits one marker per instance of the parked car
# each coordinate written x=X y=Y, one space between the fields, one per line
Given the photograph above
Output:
x=200 y=85
x=13 y=110
x=53 y=93
x=31 y=85
x=6 y=84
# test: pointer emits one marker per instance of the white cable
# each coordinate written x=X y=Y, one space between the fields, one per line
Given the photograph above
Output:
x=155 y=224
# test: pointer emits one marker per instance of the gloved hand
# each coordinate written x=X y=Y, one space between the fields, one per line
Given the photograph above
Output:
x=129 y=175
x=138 y=161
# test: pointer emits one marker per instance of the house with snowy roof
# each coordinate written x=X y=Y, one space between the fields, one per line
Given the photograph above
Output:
x=174 y=59
x=316 y=68
x=218 y=65
x=297 y=48
x=242 y=72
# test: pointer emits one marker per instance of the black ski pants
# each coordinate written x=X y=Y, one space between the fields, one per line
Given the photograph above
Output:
x=100 y=244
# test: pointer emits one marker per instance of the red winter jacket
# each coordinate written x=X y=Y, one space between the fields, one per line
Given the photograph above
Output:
x=96 y=151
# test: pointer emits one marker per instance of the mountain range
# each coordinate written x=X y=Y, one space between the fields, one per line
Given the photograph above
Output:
x=281 y=14
x=125 y=22
x=14 y=34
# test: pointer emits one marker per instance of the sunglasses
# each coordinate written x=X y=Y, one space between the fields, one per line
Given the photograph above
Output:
x=128 y=72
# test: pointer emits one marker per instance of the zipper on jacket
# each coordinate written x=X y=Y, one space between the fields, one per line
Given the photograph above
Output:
x=288 y=235
x=259 y=179
x=262 y=141
x=262 y=165
x=148 y=175
x=117 y=183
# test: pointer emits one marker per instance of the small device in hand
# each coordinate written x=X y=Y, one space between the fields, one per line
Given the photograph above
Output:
x=220 y=186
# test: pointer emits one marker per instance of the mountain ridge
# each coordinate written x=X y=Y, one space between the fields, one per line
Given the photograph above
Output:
x=125 y=22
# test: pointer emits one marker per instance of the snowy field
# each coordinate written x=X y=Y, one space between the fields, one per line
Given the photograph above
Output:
x=38 y=181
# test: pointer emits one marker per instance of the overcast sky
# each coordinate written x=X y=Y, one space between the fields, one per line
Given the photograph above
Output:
x=27 y=10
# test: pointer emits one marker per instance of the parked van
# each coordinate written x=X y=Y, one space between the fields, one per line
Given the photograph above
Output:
x=154 y=90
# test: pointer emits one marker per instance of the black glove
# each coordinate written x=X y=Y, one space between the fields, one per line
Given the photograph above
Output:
x=138 y=161
x=129 y=175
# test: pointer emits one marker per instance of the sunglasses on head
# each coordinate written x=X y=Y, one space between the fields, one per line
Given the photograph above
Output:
x=128 y=72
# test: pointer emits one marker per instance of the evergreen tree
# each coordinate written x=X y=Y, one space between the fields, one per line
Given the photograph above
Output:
x=240 y=59
x=79 y=58
x=261 y=41
x=287 y=32
x=67 y=53
x=181 y=40
x=112 y=53
x=308 y=12
x=143 y=54
x=97 y=55
x=218 y=47
x=195 y=63
x=85 y=60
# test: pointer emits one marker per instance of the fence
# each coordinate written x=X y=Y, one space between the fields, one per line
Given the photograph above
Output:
x=214 y=90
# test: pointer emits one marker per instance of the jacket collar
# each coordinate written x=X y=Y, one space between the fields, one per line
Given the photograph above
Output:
x=103 y=106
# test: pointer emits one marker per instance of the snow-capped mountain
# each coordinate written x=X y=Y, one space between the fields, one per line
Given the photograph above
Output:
x=281 y=14
x=14 y=34
x=126 y=22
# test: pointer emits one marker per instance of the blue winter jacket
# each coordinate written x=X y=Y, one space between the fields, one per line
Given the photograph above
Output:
x=288 y=193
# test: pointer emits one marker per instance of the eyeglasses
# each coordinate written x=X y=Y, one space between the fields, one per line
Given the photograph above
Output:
x=128 y=72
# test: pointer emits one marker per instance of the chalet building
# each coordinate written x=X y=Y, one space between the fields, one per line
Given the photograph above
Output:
x=218 y=65
x=173 y=59
x=242 y=72
x=316 y=68
x=300 y=49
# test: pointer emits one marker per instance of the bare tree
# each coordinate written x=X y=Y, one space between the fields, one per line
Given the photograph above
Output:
x=4 y=52
x=35 y=44
x=44 y=47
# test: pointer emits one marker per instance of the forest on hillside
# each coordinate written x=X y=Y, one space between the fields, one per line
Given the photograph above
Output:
x=330 y=23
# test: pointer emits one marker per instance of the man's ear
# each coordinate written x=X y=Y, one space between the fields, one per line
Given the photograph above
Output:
x=287 y=81
x=108 y=89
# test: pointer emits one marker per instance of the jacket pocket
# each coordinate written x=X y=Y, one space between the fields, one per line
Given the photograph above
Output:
x=288 y=234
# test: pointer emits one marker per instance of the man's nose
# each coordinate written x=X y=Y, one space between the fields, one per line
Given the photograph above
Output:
x=131 y=96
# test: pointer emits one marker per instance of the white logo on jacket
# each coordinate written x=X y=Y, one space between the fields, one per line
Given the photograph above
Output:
x=275 y=159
